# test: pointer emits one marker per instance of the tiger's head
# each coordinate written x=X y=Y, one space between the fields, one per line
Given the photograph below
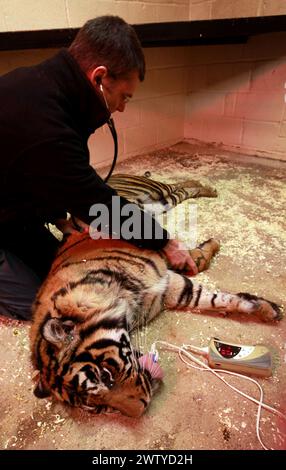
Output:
x=91 y=365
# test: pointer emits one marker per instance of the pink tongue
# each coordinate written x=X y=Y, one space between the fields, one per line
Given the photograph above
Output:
x=147 y=363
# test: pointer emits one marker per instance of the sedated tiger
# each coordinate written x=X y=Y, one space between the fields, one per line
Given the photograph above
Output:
x=96 y=293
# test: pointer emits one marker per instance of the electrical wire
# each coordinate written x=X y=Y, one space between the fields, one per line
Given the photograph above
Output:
x=182 y=350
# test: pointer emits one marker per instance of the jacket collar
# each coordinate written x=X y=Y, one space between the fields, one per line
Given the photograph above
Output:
x=85 y=105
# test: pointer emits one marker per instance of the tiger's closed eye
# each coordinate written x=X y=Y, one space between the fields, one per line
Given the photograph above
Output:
x=107 y=378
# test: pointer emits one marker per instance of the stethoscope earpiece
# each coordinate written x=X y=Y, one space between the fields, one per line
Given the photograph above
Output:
x=101 y=89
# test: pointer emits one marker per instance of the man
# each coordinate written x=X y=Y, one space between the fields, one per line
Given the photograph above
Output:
x=48 y=112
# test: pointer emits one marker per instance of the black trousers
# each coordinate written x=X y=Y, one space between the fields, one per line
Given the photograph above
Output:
x=26 y=254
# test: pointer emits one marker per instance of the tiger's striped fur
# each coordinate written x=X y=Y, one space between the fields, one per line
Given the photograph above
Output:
x=97 y=292
x=161 y=196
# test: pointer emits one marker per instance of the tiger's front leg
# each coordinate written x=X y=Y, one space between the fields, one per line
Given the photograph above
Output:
x=182 y=293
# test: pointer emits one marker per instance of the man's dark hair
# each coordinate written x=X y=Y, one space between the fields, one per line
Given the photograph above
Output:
x=110 y=41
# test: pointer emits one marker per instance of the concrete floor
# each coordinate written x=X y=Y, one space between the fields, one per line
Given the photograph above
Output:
x=194 y=409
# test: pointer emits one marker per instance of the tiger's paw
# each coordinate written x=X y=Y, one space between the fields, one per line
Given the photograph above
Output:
x=203 y=253
x=196 y=189
x=209 y=192
x=262 y=308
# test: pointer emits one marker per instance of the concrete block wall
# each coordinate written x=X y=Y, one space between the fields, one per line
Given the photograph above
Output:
x=236 y=95
x=16 y=15
x=215 y=9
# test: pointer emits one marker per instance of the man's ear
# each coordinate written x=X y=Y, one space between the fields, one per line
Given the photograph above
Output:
x=97 y=74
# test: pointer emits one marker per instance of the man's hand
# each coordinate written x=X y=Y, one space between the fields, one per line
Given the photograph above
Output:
x=179 y=257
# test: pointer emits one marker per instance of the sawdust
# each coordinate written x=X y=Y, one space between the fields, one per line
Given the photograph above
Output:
x=193 y=410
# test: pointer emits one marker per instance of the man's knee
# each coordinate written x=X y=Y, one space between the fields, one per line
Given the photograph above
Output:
x=18 y=287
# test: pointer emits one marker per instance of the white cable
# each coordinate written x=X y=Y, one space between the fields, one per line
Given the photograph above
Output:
x=217 y=373
x=204 y=367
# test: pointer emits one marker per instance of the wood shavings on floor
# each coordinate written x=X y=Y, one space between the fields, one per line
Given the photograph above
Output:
x=193 y=410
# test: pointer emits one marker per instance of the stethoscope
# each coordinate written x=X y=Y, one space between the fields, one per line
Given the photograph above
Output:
x=112 y=129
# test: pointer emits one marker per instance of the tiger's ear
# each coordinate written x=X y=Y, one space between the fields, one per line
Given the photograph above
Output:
x=58 y=332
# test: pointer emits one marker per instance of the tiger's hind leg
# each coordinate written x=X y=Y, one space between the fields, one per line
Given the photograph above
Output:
x=155 y=196
x=175 y=193
x=182 y=293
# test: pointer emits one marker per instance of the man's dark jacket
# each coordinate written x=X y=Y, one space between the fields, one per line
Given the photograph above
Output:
x=47 y=114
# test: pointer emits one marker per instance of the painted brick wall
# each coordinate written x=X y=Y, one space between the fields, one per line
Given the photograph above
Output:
x=236 y=95
x=214 y=9
x=41 y=14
